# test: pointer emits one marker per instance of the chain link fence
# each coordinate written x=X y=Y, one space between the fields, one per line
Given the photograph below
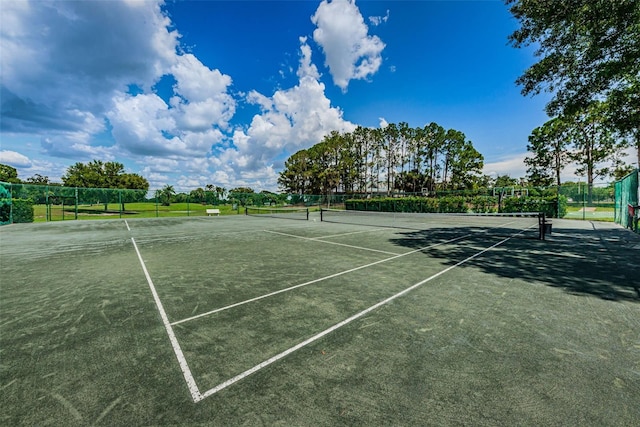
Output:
x=37 y=203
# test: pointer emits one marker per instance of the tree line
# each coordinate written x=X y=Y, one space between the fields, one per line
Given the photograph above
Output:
x=396 y=157
x=590 y=60
x=585 y=139
x=96 y=179
x=93 y=182
x=209 y=195
x=95 y=174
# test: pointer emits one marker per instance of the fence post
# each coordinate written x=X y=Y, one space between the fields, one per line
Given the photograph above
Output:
x=584 y=213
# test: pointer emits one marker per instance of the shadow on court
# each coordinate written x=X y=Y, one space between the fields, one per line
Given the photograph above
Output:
x=581 y=258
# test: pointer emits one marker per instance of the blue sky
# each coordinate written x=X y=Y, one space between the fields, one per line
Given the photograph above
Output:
x=190 y=93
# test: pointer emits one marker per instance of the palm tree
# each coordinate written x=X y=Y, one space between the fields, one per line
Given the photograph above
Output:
x=209 y=190
x=166 y=194
x=220 y=192
x=198 y=195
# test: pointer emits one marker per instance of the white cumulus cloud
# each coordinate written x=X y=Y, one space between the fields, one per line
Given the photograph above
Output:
x=512 y=166
x=187 y=126
x=63 y=61
x=290 y=120
x=14 y=159
x=84 y=79
x=343 y=35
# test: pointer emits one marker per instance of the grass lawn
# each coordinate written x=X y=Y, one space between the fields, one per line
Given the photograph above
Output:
x=590 y=213
x=132 y=210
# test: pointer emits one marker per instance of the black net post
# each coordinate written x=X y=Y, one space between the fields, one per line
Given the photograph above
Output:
x=544 y=226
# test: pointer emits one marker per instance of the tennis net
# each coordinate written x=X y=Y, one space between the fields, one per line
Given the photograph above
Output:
x=287 y=213
x=533 y=223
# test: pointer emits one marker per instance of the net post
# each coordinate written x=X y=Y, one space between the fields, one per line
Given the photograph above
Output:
x=541 y=225
x=307 y=214
x=246 y=210
x=321 y=219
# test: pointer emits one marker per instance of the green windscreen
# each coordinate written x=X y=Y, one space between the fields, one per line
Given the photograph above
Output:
x=627 y=210
x=5 y=205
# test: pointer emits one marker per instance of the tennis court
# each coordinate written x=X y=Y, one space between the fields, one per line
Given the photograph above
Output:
x=358 y=320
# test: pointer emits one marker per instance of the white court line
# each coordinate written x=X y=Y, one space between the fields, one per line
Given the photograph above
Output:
x=351 y=232
x=188 y=377
x=316 y=239
x=127 y=224
x=177 y=322
x=343 y=323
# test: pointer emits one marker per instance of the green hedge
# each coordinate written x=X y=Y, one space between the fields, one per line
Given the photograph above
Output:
x=22 y=210
x=462 y=204
x=484 y=204
x=409 y=204
x=552 y=206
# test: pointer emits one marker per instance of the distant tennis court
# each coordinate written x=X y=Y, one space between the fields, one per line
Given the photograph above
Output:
x=329 y=319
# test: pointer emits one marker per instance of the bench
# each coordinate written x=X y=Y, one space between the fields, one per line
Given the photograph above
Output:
x=213 y=212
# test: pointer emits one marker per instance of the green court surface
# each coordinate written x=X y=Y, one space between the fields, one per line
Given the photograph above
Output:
x=241 y=320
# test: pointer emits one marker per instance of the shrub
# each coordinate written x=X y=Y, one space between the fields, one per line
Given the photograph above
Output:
x=552 y=206
x=409 y=204
x=483 y=204
x=455 y=204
